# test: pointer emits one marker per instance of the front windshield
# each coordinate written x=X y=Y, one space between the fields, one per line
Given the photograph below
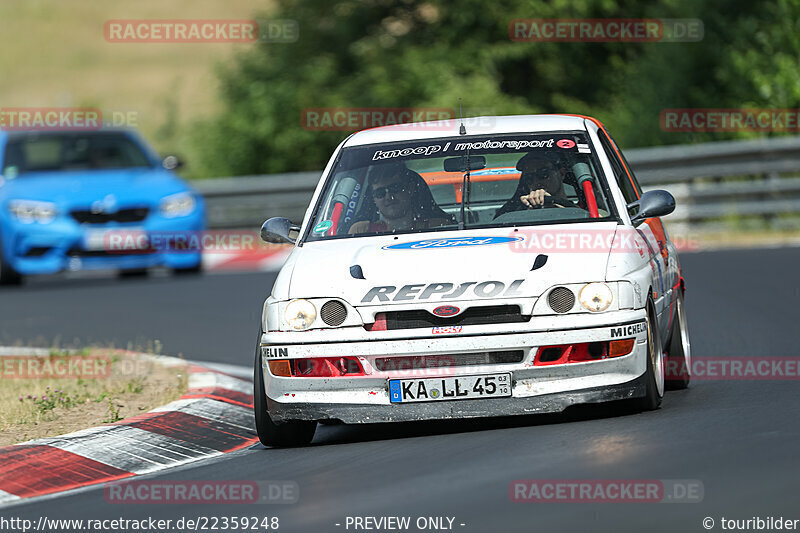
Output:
x=419 y=185
x=52 y=152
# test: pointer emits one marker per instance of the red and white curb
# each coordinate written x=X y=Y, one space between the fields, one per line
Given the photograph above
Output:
x=214 y=417
x=258 y=260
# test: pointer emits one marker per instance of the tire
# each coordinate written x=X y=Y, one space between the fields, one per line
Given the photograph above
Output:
x=285 y=434
x=133 y=273
x=679 y=350
x=654 y=375
x=188 y=271
x=8 y=276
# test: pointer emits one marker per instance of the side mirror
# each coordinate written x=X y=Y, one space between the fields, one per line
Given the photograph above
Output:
x=279 y=230
x=171 y=162
x=656 y=203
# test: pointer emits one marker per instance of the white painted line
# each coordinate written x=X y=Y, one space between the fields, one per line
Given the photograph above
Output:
x=7 y=498
x=244 y=372
x=201 y=380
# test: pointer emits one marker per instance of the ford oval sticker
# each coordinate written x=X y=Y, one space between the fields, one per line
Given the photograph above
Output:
x=459 y=242
x=446 y=310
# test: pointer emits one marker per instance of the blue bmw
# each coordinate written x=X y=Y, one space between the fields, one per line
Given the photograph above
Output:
x=63 y=193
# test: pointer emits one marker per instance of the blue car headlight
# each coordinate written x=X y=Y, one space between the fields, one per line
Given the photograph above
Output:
x=30 y=211
x=178 y=205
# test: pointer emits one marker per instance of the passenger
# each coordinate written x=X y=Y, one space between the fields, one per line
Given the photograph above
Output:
x=399 y=200
x=540 y=178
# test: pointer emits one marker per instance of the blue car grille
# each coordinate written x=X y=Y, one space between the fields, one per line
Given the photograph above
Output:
x=129 y=215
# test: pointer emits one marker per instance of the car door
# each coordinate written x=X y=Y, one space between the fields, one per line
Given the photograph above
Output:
x=663 y=259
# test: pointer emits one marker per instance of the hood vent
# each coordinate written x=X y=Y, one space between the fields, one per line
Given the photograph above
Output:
x=356 y=272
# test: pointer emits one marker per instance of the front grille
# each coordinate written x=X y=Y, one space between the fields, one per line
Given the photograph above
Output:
x=37 y=251
x=333 y=313
x=78 y=252
x=420 y=362
x=561 y=299
x=134 y=214
x=474 y=316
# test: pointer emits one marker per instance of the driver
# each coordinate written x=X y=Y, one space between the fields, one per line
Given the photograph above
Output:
x=540 y=178
x=403 y=201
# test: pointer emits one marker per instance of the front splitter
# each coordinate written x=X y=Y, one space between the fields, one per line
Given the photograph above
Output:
x=455 y=409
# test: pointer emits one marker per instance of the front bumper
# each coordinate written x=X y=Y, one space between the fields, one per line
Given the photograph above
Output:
x=535 y=389
x=62 y=245
x=545 y=403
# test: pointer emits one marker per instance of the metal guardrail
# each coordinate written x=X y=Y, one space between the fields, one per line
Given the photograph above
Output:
x=247 y=201
x=723 y=179
x=709 y=181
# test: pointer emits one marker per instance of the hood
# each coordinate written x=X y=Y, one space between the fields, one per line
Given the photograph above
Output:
x=140 y=186
x=461 y=265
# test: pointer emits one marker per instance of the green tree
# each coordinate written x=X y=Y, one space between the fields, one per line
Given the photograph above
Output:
x=382 y=53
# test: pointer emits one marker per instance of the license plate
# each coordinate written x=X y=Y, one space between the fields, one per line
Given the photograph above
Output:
x=450 y=388
x=116 y=240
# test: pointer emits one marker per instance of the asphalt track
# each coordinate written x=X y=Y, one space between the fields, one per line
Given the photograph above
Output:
x=739 y=438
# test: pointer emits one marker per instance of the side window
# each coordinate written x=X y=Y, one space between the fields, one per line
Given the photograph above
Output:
x=628 y=165
x=628 y=190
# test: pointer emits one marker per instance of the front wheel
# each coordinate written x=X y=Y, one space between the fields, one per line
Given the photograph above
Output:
x=131 y=273
x=8 y=276
x=679 y=350
x=188 y=271
x=654 y=376
x=285 y=434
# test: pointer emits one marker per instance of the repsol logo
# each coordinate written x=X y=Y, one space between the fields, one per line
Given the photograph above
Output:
x=627 y=331
x=443 y=291
x=268 y=351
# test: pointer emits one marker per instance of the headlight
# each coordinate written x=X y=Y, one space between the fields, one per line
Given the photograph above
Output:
x=596 y=297
x=300 y=314
x=29 y=211
x=178 y=205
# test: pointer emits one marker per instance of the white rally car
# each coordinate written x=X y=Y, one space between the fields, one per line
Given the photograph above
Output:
x=484 y=267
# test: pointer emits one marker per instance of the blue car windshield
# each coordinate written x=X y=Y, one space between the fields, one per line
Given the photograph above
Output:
x=53 y=152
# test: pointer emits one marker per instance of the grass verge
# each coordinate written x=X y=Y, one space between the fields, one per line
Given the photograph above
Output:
x=45 y=396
